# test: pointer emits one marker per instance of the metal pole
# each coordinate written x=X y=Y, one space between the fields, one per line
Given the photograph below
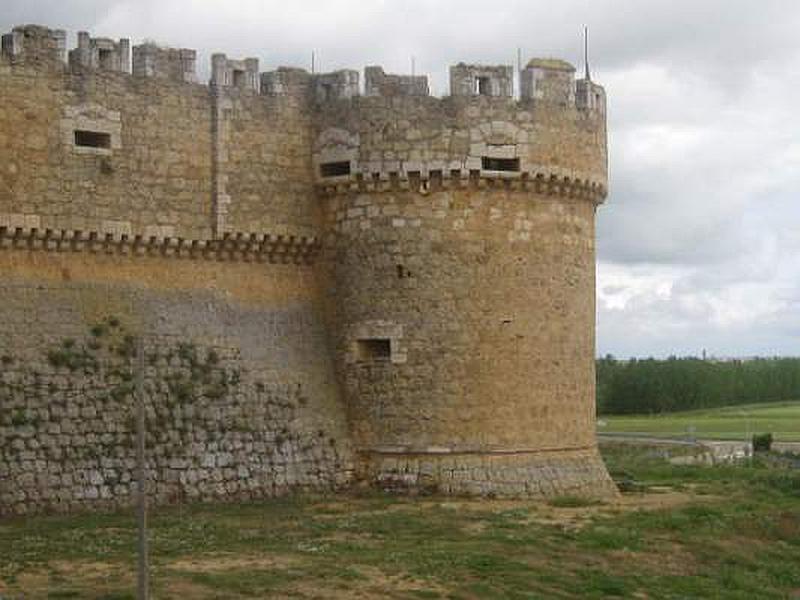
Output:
x=141 y=492
x=586 y=51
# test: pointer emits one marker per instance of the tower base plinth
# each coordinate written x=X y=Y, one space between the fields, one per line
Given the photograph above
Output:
x=529 y=474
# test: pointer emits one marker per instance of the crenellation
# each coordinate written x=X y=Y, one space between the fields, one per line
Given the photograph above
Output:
x=548 y=80
x=389 y=288
x=177 y=64
x=379 y=83
x=236 y=74
x=338 y=85
x=482 y=80
x=102 y=54
x=590 y=97
x=34 y=44
x=286 y=81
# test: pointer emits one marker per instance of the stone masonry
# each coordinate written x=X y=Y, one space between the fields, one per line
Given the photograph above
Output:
x=332 y=286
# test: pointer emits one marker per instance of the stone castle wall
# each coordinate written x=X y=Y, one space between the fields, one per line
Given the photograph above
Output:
x=240 y=392
x=331 y=286
x=157 y=177
x=153 y=180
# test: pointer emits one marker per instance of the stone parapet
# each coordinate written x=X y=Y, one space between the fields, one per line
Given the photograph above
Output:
x=381 y=143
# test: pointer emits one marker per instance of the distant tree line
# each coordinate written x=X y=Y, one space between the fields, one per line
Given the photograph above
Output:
x=655 y=386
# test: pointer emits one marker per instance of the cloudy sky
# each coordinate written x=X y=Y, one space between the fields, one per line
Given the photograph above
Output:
x=699 y=242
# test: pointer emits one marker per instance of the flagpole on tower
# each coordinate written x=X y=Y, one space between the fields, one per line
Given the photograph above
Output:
x=586 y=51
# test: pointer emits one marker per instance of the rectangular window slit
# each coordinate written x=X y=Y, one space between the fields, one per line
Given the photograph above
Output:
x=484 y=86
x=92 y=139
x=238 y=78
x=104 y=58
x=499 y=164
x=335 y=169
x=373 y=349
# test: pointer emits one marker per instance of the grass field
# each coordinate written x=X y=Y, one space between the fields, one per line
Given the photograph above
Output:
x=729 y=423
x=694 y=532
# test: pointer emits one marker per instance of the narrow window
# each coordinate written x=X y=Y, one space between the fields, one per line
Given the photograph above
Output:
x=335 y=169
x=327 y=91
x=92 y=139
x=238 y=78
x=499 y=164
x=484 y=86
x=104 y=57
x=373 y=349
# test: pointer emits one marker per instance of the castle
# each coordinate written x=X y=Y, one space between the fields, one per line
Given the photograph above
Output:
x=332 y=286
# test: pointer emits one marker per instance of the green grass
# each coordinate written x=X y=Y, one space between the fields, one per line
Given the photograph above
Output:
x=702 y=532
x=728 y=423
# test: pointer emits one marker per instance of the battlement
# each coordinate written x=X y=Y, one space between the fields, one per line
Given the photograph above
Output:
x=102 y=54
x=238 y=74
x=379 y=83
x=335 y=86
x=541 y=80
x=253 y=150
x=34 y=44
x=176 y=64
x=482 y=80
x=285 y=81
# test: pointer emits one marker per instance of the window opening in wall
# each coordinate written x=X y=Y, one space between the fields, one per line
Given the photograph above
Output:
x=484 y=86
x=238 y=78
x=402 y=272
x=373 y=349
x=327 y=91
x=499 y=164
x=104 y=58
x=335 y=169
x=92 y=139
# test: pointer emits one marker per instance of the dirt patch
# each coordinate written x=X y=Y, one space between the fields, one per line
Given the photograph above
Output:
x=89 y=570
x=660 y=499
x=30 y=580
x=68 y=576
x=184 y=589
x=670 y=559
x=230 y=562
x=375 y=585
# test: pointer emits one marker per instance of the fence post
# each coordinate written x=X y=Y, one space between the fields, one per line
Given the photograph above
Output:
x=141 y=482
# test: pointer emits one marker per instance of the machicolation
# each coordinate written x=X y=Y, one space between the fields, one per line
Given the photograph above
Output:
x=332 y=284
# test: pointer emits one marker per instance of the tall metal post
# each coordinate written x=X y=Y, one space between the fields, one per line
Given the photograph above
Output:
x=141 y=490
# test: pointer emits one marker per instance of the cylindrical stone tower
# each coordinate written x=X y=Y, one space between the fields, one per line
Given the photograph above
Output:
x=460 y=255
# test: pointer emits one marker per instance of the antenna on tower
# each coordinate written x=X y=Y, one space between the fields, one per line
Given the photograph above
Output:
x=313 y=60
x=413 y=66
x=586 y=51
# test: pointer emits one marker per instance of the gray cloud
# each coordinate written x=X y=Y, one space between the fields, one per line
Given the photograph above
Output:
x=698 y=244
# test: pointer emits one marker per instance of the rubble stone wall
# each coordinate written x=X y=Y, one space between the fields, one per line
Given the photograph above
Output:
x=239 y=387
